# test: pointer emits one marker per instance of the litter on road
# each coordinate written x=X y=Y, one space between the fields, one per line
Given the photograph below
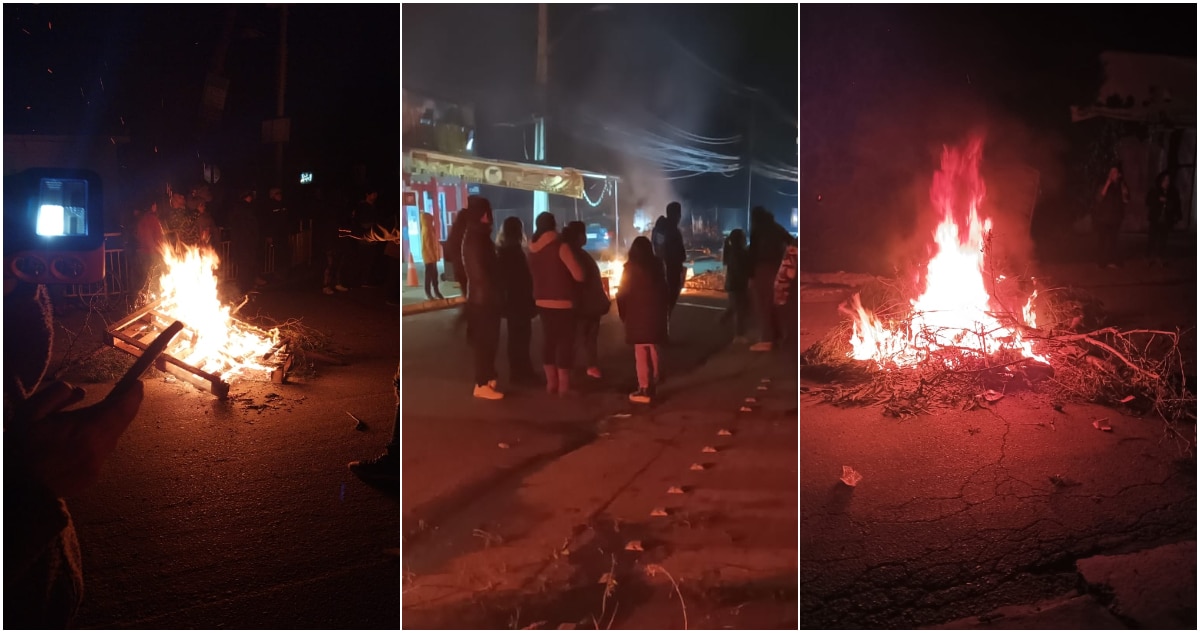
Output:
x=850 y=477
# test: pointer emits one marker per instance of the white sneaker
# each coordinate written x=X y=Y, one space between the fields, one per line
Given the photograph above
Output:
x=640 y=397
x=327 y=290
x=594 y=372
x=341 y=288
x=488 y=391
x=764 y=346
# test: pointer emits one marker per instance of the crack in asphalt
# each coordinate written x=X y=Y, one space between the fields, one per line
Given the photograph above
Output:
x=989 y=568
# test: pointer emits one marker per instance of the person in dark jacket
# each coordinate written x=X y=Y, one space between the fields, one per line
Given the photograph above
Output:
x=735 y=258
x=768 y=241
x=453 y=252
x=555 y=273
x=453 y=255
x=1163 y=212
x=643 y=302
x=1109 y=215
x=591 y=301
x=668 y=247
x=518 y=308
x=246 y=237
x=483 y=303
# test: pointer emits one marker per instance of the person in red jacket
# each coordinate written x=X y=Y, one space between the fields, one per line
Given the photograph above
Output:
x=555 y=273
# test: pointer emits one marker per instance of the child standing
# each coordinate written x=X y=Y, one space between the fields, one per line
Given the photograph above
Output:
x=737 y=283
x=643 y=304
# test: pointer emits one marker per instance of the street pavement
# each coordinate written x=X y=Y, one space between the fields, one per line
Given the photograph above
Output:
x=1000 y=518
x=513 y=510
x=242 y=514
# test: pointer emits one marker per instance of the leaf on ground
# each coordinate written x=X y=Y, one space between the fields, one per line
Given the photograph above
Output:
x=850 y=477
x=634 y=546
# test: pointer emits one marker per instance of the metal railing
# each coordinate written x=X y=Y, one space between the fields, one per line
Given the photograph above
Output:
x=119 y=262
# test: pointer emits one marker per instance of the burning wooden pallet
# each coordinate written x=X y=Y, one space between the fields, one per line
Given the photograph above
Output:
x=134 y=333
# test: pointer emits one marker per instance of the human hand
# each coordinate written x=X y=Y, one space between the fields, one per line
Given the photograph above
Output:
x=64 y=450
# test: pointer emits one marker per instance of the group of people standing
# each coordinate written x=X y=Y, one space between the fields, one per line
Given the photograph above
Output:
x=763 y=274
x=553 y=278
x=1163 y=212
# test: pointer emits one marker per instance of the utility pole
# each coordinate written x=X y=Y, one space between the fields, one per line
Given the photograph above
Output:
x=283 y=20
x=541 y=200
x=749 y=162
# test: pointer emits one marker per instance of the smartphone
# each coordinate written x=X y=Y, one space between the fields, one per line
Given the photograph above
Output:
x=143 y=362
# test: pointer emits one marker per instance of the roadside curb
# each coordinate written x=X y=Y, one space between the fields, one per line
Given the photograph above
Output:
x=430 y=306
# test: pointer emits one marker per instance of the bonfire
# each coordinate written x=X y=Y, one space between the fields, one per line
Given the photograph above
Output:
x=955 y=311
x=954 y=339
x=213 y=340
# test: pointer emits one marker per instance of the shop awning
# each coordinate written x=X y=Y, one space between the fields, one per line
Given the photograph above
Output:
x=562 y=181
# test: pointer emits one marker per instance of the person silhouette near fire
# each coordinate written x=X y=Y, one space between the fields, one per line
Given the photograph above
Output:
x=1108 y=217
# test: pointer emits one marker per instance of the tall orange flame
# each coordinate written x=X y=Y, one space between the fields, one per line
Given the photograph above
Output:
x=955 y=311
x=213 y=340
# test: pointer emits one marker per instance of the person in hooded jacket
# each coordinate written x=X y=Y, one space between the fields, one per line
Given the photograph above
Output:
x=668 y=247
x=454 y=257
x=768 y=241
x=1163 y=212
x=483 y=305
x=591 y=301
x=518 y=308
x=735 y=258
x=643 y=302
x=555 y=273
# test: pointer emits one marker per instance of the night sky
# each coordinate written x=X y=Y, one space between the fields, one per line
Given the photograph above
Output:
x=883 y=87
x=633 y=66
x=139 y=70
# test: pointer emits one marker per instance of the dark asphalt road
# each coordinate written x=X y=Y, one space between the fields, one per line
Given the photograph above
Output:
x=440 y=413
x=243 y=514
x=494 y=492
x=957 y=514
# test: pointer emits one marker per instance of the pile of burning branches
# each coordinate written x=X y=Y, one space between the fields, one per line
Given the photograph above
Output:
x=1079 y=358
